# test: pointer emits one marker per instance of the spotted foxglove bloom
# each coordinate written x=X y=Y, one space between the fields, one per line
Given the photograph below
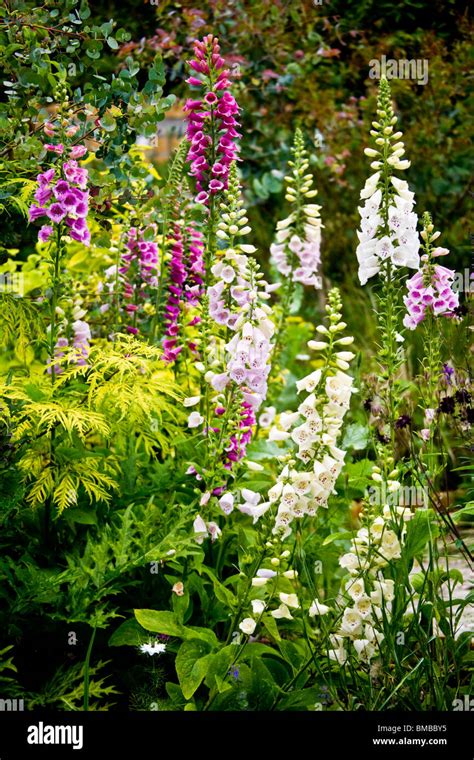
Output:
x=239 y=354
x=177 y=276
x=296 y=252
x=237 y=300
x=82 y=336
x=60 y=348
x=62 y=196
x=430 y=290
x=194 y=264
x=212 y=120
x=248 y=626
x=203 y=530
x=139 y=272
x=387 y=235
x=367 y=593
x=306 y=481
x=185 y=273
x=79 y=333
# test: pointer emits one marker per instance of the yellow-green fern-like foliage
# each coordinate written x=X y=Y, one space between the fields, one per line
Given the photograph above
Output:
x=16 y=194
x=20 y=323
x=97 y=426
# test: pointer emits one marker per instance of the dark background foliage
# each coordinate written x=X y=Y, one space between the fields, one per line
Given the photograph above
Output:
x=307 y=64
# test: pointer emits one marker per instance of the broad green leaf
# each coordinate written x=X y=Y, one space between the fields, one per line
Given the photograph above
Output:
x=192 y=662
x=356 y=437
x=163 y=621
x=160 y=621
x=128 y=633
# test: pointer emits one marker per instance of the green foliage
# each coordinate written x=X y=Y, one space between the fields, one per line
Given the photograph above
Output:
x=65 y=690
x=19 y=324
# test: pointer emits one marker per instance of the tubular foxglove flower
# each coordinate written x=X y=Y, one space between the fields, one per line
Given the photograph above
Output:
x=431 y=289
x=306 y=482
x=59 y=351
x=176 y=279
x=62 y=196
x=367 y=601
x=211 y=120
x=82 y=336
x=296 y=254
x=194 y=265
x=238 y=352
x=387 y=235
x=237 y=301
x=185 y=280
x=79 y=333
x=138 y=273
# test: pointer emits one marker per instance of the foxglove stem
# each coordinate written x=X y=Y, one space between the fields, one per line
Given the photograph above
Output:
x=206 y=121
x=309 y=474
x=156 y=330
x=430 y=297
x=387 y=241
x=174 y=188
x=296 y=252
x=56 y=293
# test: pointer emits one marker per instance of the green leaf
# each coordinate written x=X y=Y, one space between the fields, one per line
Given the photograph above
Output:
x=192 y=663
x=176 y=695
x=466 y=511
x=356 y=437
x=157 y=71
x=128 y=633
x=259 y=190
x=420 y=530
x=271 y=626
x=342 y=534
x=160 y=621
x=291 y=654
x=196 y=632
x=301 y=699
x=219 y=667
x=108 y=122
x=81 y=516
x=122 y=35
x=222 y=593
x=112 y=43
x=357 y=476
x=163 y=621
x=222 y=685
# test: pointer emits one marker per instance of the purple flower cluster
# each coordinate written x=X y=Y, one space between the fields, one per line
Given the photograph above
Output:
x=139 y=271
x=177 y=276
x=186 y=277
x=63 y=197
x=59 y=351
x=238 y=442
x=211 y=120
x=433 y=292
x=306 y=253
x=82 y=336
x=248 y=351
x=195 y=274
